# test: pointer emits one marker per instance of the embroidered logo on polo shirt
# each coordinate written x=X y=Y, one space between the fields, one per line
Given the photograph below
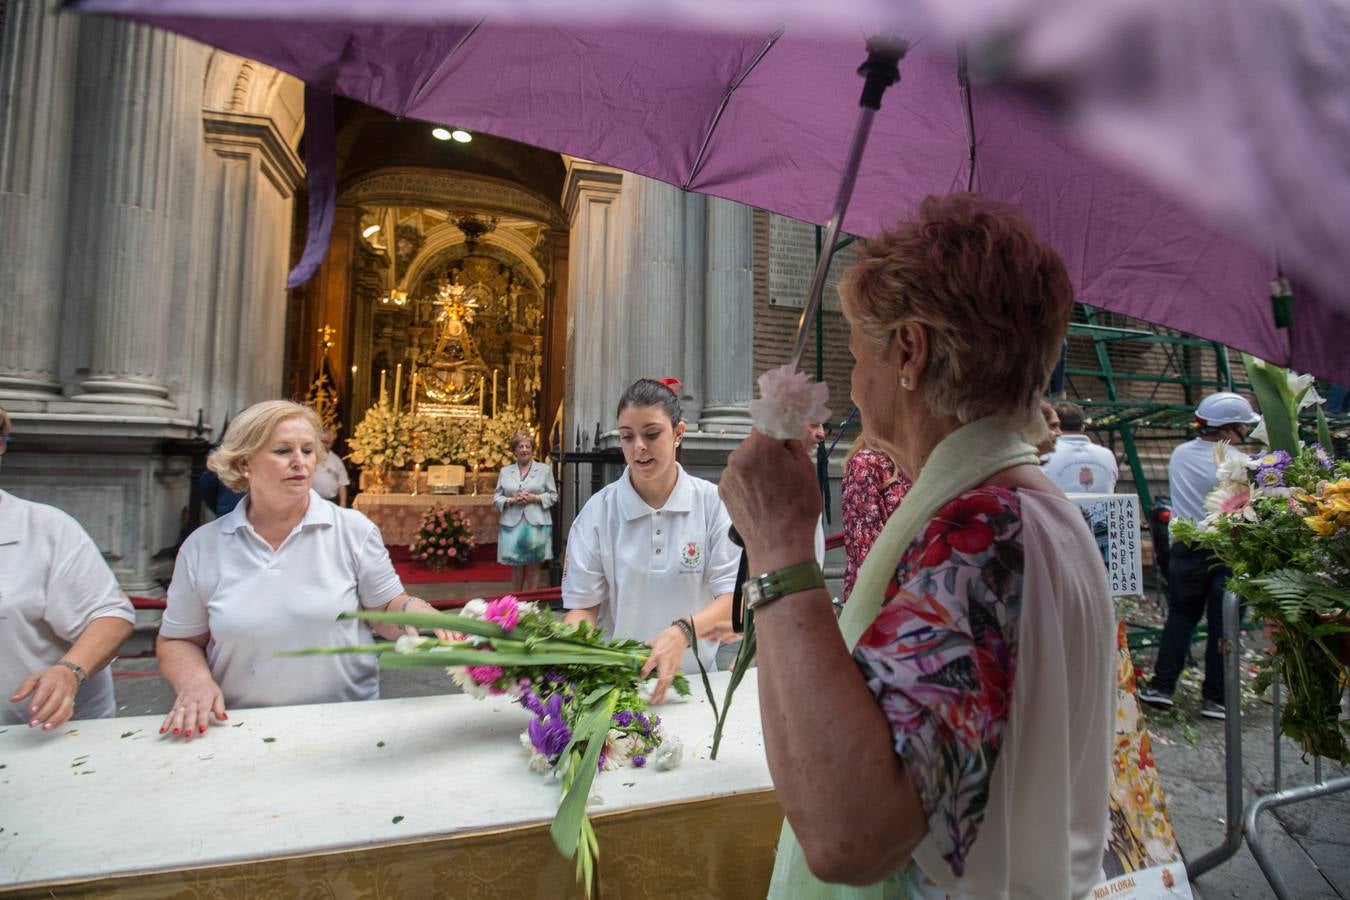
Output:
x=691 y=555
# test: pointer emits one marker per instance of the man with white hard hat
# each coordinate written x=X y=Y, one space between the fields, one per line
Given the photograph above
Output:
x=1195 y=582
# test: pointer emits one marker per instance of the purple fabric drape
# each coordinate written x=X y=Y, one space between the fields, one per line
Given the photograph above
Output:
x=321 y=181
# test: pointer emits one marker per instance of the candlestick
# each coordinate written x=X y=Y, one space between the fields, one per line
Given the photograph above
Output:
x=509 y=402
x=494 y=393
x=384 y=398
x=412 y=403
x=398 y=386
x=481 y=407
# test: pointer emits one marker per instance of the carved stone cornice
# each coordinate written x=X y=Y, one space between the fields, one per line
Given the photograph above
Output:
x=239 y=133
x=582 y=177
x=451 y=190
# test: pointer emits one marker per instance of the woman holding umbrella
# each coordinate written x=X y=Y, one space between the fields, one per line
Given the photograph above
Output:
x=956 y=739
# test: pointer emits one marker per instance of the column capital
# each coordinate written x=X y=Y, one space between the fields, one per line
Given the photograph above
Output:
x=585 y=177
x=238 y=133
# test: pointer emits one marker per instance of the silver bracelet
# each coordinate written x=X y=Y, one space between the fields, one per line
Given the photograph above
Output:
x=77 y=669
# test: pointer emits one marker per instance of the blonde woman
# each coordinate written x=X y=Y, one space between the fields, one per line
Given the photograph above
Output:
x=525 y=492
x=272 y=576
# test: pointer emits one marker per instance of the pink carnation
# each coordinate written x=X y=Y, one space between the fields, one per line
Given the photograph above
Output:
x=484 y=674
x=454 y=552
x=505 y=611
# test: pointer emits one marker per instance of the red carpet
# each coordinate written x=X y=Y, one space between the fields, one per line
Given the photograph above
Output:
x=483 y=566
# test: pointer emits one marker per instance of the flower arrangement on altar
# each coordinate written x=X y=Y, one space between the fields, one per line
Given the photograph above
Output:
x=384 y=438
x=1280 y=520
x=392 y=440
x=587 y=714
x=443 y=540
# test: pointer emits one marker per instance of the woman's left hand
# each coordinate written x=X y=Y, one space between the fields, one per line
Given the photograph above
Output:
x=769 y=488
x=53 y=692
x=418 y=605
x=668 y=648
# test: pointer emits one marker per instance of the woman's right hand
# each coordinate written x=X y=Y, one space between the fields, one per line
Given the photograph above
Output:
x=195 y=703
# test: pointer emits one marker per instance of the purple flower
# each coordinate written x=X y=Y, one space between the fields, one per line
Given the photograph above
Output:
x=1276 y=459
x=1270 y=476
x=530 y=701
x=1322 y=457
x=639 y=760
x=623 y=718
x=549 y=736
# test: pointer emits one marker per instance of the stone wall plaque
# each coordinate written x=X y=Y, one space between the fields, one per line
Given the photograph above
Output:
x=792 y=262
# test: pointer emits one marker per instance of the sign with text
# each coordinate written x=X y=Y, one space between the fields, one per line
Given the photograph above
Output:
x=1114 y=520
x=792 y=263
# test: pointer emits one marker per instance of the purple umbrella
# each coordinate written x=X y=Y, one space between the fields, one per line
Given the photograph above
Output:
x=767 y=118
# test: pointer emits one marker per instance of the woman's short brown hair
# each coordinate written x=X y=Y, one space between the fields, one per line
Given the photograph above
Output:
x=523 y=435
x=249 y=432
x=994 y=299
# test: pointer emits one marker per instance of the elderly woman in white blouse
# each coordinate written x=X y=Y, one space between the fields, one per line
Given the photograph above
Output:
x=525 y=492
x=270 y=577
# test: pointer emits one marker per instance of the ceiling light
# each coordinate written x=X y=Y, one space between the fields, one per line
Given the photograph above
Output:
x=441 y=134
x=461 y=135
x=369 y=230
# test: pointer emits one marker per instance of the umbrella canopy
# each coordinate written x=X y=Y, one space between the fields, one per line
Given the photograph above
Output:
x=765 y=119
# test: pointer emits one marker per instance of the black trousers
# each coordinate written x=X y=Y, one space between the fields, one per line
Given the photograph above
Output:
x=1195 y=587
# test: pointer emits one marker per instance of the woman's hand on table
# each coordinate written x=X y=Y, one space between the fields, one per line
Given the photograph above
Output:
x=199 y=699
x=53 y=696
x=769 y=488
x=668 y=648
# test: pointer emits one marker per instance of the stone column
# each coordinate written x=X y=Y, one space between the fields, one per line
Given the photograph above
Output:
x=654 y=301
x=695 y=302
x=37 y=77
x=122 y=278
x=247 y=193
x=729 y=312
x=591 y=201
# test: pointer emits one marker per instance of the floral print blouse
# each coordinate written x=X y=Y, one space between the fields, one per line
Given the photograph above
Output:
x=871 y=491
x=941 y=655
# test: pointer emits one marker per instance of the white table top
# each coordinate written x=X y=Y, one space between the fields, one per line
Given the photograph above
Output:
x=110 y=796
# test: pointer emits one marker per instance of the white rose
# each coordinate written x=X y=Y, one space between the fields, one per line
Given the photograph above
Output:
x=668 y=755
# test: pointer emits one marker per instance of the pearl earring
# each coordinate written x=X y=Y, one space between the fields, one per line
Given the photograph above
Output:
x=904 y=381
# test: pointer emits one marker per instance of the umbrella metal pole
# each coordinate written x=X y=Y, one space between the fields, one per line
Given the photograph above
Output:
x=880 y=71
x=1232 y=744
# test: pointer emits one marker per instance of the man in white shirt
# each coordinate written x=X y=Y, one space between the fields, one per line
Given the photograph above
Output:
x=330 y=476
x=1076 y=465
x=1195 y=581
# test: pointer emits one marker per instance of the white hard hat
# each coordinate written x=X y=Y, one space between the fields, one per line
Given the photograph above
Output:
x=1226 y=408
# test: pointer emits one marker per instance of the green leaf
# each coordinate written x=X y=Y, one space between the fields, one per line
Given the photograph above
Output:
x=492 y=658
x=397 y=819
x=1270 y=383
x=745 y=655
x=446 y=621
x=566 y=828
x=1324 y=431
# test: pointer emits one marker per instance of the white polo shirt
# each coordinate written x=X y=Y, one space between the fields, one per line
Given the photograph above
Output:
x=1191 y=475
x=647 y=567
x=330 y=475
x=1079 y=466
x=256 y=602
x=53 y=583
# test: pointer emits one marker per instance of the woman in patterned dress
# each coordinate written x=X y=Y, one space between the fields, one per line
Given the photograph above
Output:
x=963 y=747
x=873 y=487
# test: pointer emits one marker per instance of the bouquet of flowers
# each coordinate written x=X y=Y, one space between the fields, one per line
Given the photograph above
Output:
x=443 y=540
x=1281 y=521
x=581 y=691
x=383 y=438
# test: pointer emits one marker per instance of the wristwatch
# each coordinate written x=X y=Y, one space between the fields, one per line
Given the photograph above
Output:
x=792 y=579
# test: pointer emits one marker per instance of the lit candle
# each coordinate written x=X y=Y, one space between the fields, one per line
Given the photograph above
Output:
x=384 y=398
x=398 y=386
x=481 y=407
x=509 y=381
x=494 y=393
x=412 y=404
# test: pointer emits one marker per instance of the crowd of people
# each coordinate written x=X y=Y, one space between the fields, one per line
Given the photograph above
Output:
x=968 y=686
